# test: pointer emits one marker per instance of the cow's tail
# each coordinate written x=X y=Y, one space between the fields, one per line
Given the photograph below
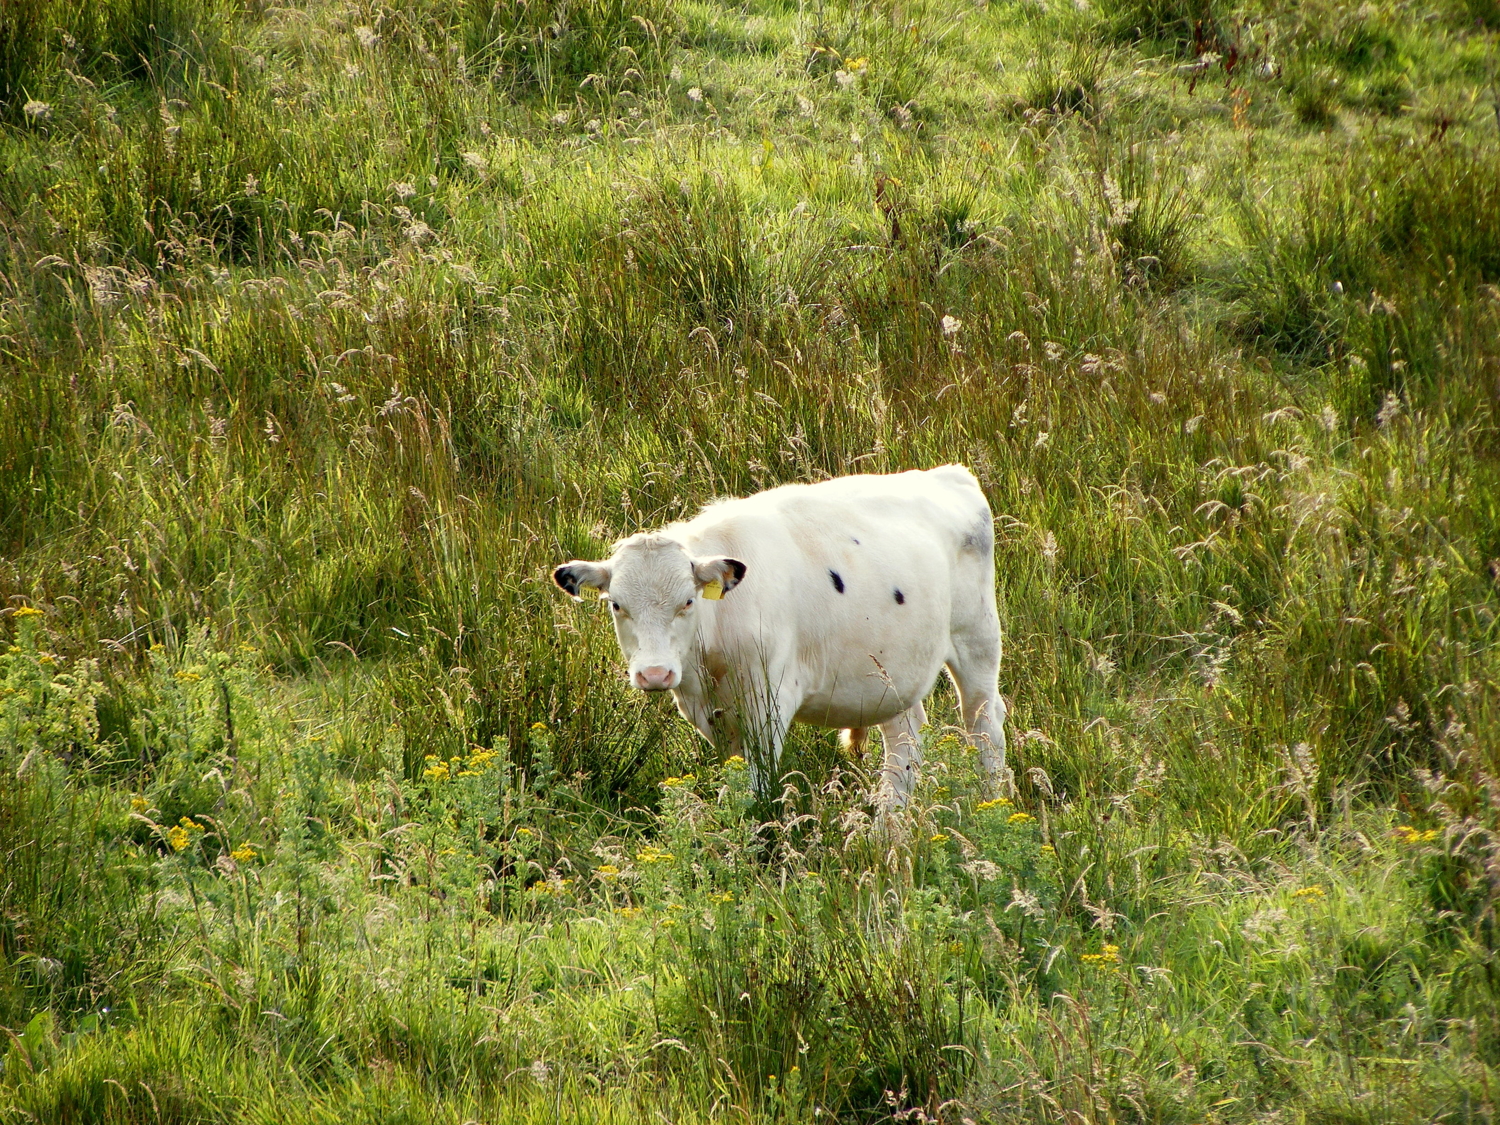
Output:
x=852 y=741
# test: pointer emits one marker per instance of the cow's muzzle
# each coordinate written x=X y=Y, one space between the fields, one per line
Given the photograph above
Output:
x=655 y=678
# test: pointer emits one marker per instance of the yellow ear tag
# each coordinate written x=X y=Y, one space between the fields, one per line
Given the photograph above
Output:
x=714 y=591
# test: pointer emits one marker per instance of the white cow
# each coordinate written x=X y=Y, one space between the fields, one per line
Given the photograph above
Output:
x=835 y=604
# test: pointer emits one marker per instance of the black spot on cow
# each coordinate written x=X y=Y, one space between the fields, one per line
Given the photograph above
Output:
x=838 y=583
x=900 y=598
x=856 y=541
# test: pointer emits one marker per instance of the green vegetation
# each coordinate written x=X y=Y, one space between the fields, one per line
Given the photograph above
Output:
x=326 y=329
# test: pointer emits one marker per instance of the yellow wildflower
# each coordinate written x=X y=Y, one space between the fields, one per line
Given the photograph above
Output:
x=723 y=896
x=539 y=728
x=734 y=762
x=187 y=677
x=652 y=854
x=138 y=804
x=607 y=871
x=937 y=838
x=997 y=803
x=524 y=832
x=629 y=912
x=679 y=782
x=1409 y=835
x=1312 y=892
x=178 y=837
x=955 y=947
x=1109 y=955
x=28 y=611
x=1048 y=849
x=438 y=772
x=1019 y=818
x=675 y=906
x=243 y=854
x=46 y=658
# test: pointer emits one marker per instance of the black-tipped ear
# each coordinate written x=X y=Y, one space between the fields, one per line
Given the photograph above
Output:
x=727 y=572
x=577 y=576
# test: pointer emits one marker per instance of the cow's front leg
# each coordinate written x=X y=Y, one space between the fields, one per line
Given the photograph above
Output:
x=754 y=726
x=903 y=756
x=698 y=710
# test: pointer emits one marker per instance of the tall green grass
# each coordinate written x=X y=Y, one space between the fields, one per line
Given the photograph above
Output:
x=326 y=331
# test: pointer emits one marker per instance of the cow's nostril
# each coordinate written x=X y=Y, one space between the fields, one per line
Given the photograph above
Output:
x=654 y=678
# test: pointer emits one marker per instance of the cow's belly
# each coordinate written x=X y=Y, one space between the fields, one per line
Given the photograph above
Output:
x=864 y=695
x=844 y=712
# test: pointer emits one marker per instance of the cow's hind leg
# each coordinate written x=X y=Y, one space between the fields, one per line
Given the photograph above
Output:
x=903 y=755
x=975 y=668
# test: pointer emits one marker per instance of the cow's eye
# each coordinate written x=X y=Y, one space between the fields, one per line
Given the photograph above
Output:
x=615 y=606
x=689 y=604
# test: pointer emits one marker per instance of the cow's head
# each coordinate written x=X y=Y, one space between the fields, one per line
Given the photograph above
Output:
x=654 y=588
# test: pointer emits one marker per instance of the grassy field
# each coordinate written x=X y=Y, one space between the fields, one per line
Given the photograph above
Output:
x=326 y=329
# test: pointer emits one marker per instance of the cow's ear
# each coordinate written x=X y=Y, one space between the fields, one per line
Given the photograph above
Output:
x=727 y=572
x=578 y=576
